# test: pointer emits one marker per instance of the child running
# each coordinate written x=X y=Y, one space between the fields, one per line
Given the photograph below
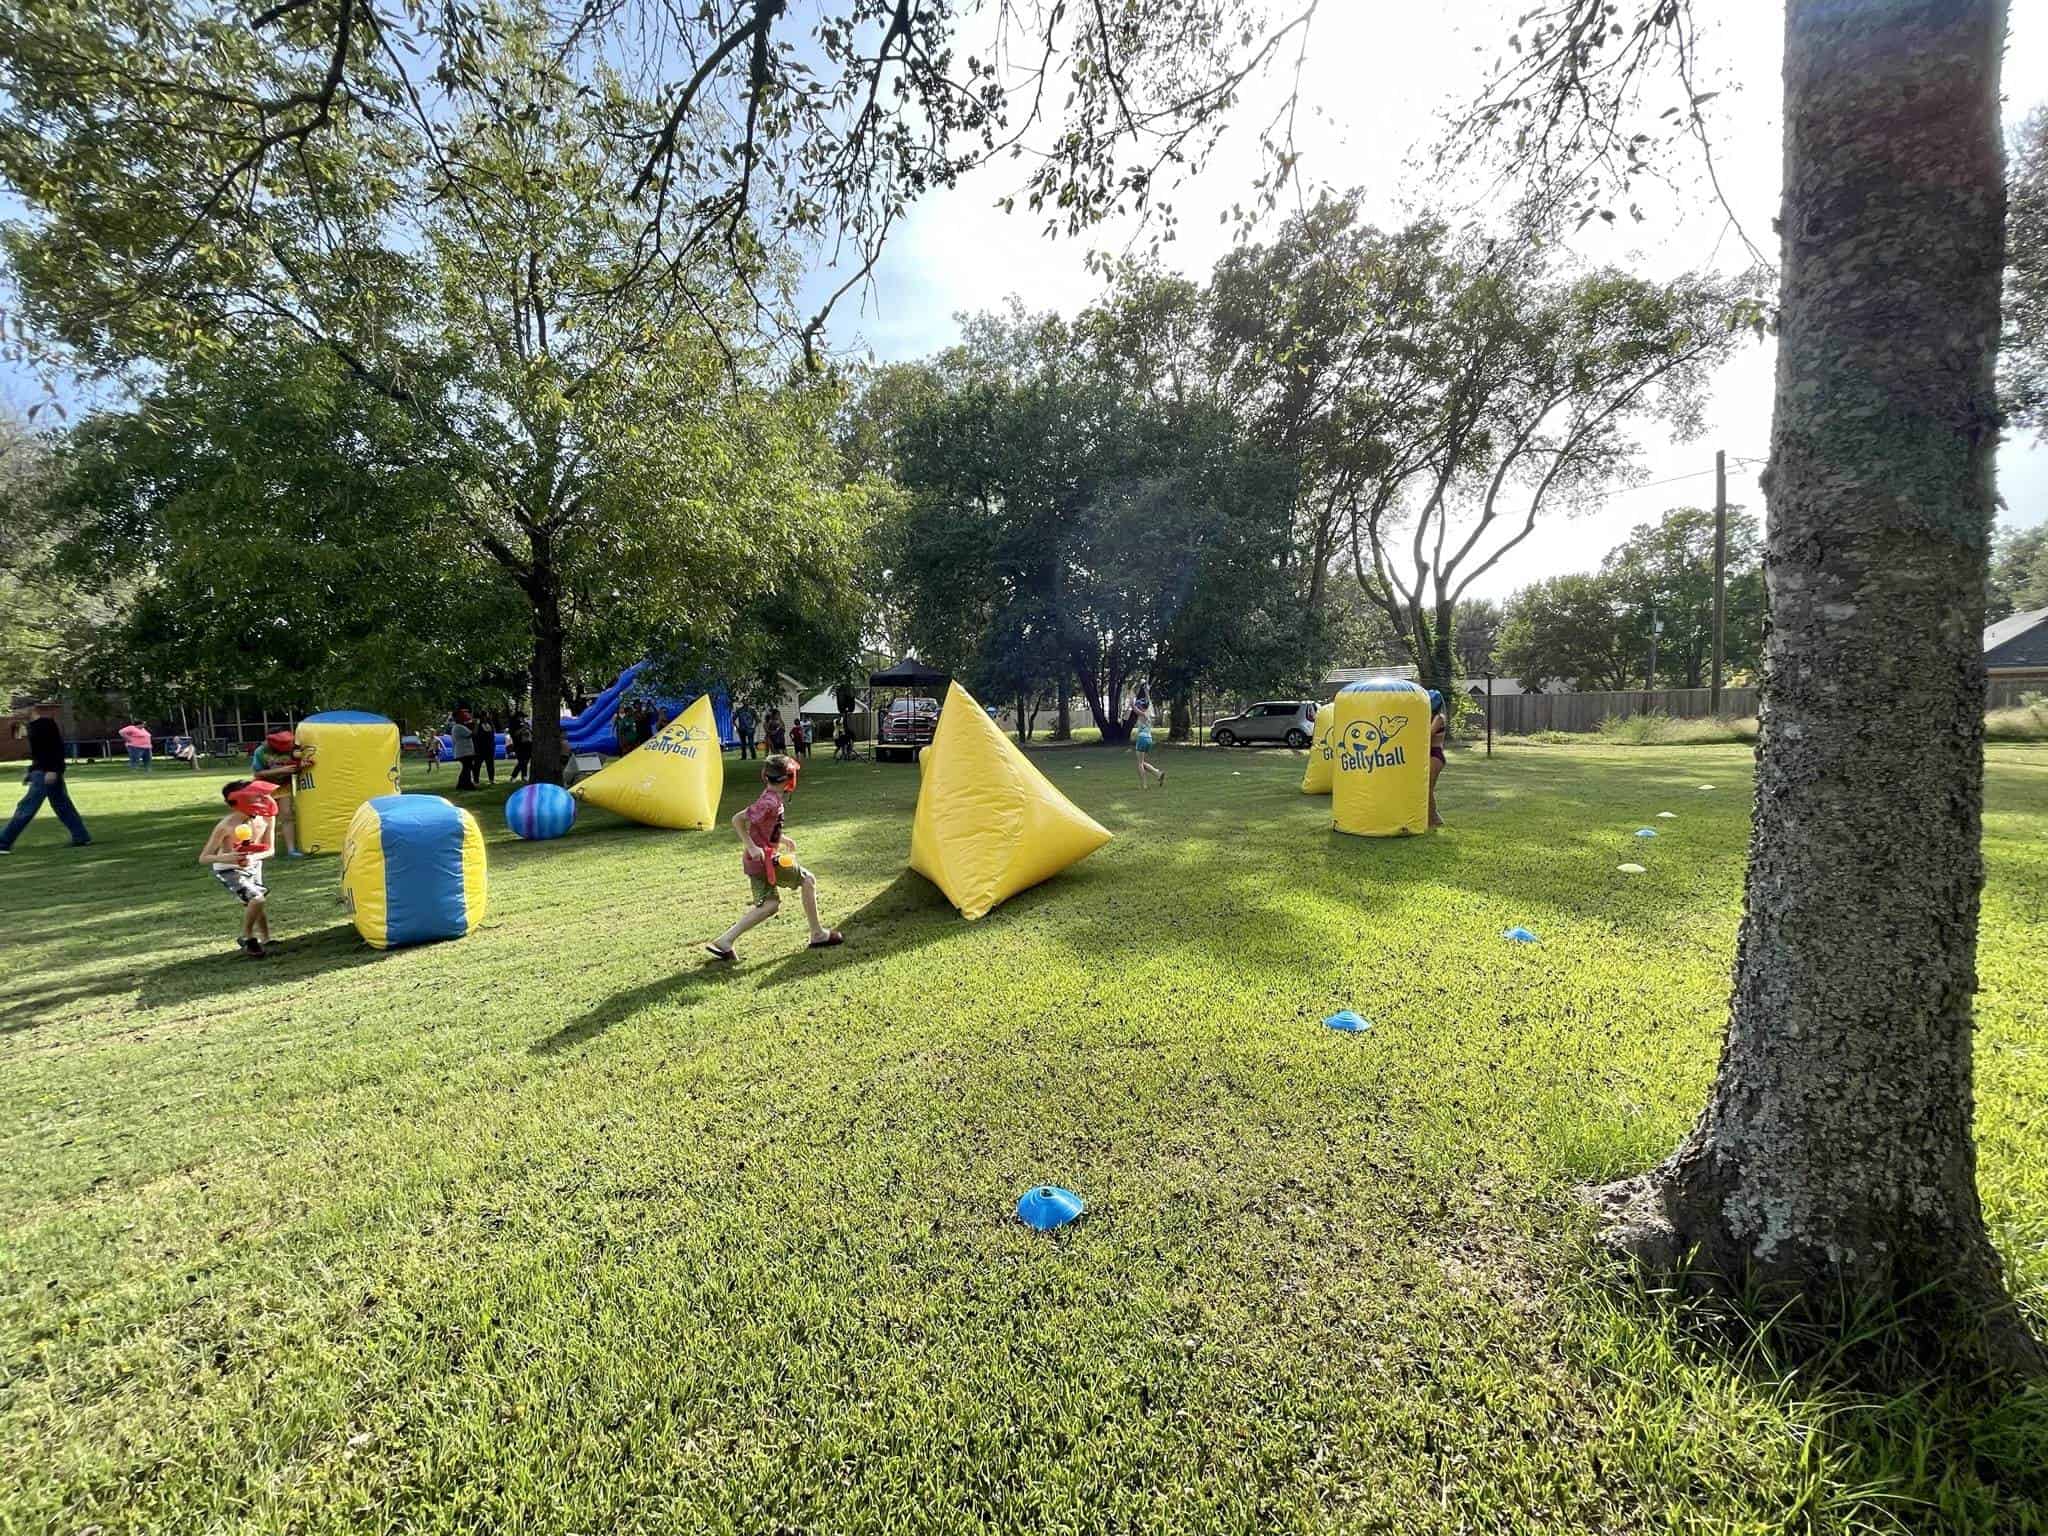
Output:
x=1438 y=728
x=1140 y=720
x=766 y=856
x=239 y=844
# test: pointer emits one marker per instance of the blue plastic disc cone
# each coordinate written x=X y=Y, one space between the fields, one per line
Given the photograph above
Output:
x=1646 y=831
x=1047 y=1206
x=1520 y=936
x=1349 y=1022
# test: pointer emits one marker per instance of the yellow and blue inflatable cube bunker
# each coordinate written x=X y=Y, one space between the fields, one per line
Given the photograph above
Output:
x=1381 y=737
x=412 y=870
x=352 y=755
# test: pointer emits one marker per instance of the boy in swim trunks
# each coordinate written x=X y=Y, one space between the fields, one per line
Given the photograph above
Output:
x=768 y=857
x=1438 y=728
x=239 y=844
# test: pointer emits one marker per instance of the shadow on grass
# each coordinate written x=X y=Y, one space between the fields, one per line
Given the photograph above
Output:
x=219 y=973
x=904 y=915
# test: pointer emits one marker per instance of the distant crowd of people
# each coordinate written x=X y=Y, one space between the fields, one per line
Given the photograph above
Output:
x=473 y=745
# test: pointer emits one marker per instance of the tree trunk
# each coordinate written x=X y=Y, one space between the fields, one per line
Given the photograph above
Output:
x=545 y=676
x=1181 y=719
x=1834 y=1163
x=1063 y=721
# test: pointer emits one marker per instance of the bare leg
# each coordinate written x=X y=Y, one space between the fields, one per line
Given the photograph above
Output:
x=1436 y=766
x=288 y=824
x=753 y=917
x=818 y=930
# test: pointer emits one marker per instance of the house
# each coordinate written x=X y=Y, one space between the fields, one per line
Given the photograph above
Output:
x=1509 y=688
x=2016 y=649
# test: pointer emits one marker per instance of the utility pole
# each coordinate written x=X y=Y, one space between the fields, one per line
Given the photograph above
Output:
x=1720 y=578
x=1650 y=672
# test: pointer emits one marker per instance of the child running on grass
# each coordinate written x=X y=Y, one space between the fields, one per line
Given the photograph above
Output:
x=766 y=856
x=237 y=848
x=1438 y=728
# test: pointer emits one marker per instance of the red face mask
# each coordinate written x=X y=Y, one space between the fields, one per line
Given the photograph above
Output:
x=788 y=785
x=253 y=802
x=279 y=741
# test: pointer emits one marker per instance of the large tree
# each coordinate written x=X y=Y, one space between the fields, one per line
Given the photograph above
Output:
x=609 y=428
x=50 y=618
x=1834 y=1165
x=1663 y=573
x=2019 y=572
x=1574 y=630
x=1079 y=507
x=1536 y=383
x=285 y=533
x=2023 y=377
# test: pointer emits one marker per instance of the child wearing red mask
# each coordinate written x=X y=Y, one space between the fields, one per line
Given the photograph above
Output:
x=239 y=844
x=767 y=856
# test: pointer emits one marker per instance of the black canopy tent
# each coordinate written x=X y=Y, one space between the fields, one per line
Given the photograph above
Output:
x=906 y=676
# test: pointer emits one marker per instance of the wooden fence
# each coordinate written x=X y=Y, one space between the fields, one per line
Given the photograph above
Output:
x=1525 y=714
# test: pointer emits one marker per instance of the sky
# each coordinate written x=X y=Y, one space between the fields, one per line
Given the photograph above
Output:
x=1376 y=82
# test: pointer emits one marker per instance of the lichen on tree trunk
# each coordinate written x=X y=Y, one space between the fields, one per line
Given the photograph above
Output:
x=1835 y=1158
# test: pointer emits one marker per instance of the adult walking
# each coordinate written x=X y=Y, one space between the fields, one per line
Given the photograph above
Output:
x=778 y=733
x=743 y=722
x=485 y=736
x=140 y=743
x=461 y=749
x=522 y=746
x=45 y=781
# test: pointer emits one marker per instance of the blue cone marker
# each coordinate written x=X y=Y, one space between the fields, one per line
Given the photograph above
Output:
x=1349 y=1022
x=1048 y=1206
x=1646 y=831
x=1520 y=936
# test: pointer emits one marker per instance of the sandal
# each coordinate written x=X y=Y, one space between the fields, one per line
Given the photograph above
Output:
x=720 y=954
x=831 y=938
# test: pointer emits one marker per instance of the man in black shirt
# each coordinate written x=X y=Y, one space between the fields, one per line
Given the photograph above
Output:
x=45 y=782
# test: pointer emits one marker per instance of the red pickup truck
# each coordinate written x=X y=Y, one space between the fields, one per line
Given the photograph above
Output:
x=906 y=729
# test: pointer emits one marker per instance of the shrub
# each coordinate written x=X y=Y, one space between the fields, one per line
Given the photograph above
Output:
x=2027 y=721
x=1655 y=730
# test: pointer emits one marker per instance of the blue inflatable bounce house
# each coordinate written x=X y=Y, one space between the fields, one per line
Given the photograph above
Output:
x=594 y=731
x=412 y=870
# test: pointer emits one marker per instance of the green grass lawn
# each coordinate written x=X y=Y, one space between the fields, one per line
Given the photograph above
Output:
x=556 y=1229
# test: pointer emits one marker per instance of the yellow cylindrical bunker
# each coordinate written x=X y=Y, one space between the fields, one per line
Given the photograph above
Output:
x=1380 y=741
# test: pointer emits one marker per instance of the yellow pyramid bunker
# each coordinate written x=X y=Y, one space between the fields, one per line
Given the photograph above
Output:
x=672 y=781
x=988 y=823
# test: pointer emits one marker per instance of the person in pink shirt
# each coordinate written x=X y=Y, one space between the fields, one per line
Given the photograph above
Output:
x=767 y=857
x=139 y=742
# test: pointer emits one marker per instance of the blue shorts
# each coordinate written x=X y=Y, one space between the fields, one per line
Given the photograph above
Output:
x=1144 y=738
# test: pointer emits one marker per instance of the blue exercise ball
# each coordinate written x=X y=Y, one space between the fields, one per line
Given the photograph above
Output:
x=540 y=811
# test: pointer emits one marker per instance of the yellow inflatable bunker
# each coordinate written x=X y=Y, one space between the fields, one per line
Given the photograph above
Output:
x=351 y=756
x=988 y=823
x=1322 y=756
x=1381 y=737
x=672 y=781
x=412 y=870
